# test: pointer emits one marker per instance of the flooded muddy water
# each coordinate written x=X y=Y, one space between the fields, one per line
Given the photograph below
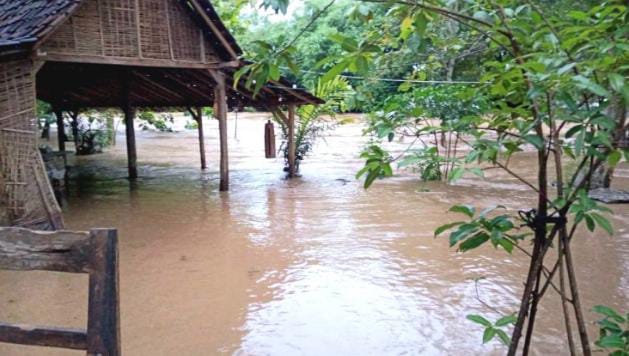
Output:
x=310 y=266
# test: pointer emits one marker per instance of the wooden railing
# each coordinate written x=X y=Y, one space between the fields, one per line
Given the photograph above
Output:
x=94 y=253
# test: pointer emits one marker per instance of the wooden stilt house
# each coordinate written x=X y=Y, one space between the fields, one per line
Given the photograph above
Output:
x=128 y=54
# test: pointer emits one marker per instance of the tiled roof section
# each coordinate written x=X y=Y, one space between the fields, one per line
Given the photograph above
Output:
x=24 y=22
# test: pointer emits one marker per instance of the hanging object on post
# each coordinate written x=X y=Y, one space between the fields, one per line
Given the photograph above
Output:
x=269 y=140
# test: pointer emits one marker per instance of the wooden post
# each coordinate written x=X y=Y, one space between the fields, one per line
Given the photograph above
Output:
x=199 y=118
x=132 y=157
x=61 y=133
x=292 y=157
x=75 y=128
x=103 y=315
x=220 y=107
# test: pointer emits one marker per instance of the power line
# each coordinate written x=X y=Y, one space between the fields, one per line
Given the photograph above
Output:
x=394 y=80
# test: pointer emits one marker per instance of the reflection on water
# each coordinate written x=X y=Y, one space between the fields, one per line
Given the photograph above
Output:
x=313 y=266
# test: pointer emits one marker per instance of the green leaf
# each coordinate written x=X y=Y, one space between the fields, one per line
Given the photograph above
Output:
x=535 y=140
x=566 y=68
x=506 y=320
x=406 y=27
x=609 y=326
x=613 y=158
x=464 y=209
x=603 y=222
x=348 y=44
x=608 y=312
x=473 y=242
x=274 y=72
x=421 y=22
x=504 y=338
x=585 y=83
x=477 y=171
x=462 y=233
x=611 y=342
x=334 y=71
x=371 y=177
x=589 y=222
x=573 y=130
x=488 y=335
x=617 y=82
x=479 y=320
x=443 y=228
x=456 y=174
x=387 y=171
x=506 y=244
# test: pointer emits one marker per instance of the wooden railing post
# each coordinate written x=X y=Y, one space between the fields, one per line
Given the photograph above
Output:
x=103 y=325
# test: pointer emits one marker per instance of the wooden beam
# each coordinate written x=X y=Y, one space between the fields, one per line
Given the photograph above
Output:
x=103 y=314
x=292 y=157
x=137 y=62
x=132 y=156
x=36 y=336
x=293 y=92
x=220 y=105
x=59 y=251
x=61 y=133
x=214 y=29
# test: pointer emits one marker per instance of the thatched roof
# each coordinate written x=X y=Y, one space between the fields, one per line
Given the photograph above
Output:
x=26 y=24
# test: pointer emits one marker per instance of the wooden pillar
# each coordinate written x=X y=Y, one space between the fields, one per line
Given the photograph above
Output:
x=75 y=128
x=132 y=157
x=198 y=117
x=292 y=156
x=103 y=314
x=220 y=107
x=61 y=133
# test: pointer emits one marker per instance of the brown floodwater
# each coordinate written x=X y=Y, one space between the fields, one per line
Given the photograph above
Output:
x=310 y=266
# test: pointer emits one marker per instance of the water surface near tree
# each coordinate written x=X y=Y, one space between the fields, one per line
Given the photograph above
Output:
x=313 y=266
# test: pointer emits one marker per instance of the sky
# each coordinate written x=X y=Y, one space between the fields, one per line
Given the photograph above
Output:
x=295 y=5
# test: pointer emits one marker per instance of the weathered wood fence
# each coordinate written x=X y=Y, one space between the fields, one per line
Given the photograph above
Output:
x=95 y=253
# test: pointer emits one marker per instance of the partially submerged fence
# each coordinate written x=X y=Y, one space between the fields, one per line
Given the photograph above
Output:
x=94 y=253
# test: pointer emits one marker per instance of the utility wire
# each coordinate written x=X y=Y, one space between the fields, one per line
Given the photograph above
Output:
x=391 y=80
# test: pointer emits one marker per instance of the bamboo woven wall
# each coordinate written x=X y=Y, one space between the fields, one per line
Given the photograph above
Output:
x=25 y=195
x=150 y=29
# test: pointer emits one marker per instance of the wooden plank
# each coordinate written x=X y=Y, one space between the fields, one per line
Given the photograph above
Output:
x=220 y=105
x=38 y=336
x=59 y=251
x=103 y=325
x=292 y=163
